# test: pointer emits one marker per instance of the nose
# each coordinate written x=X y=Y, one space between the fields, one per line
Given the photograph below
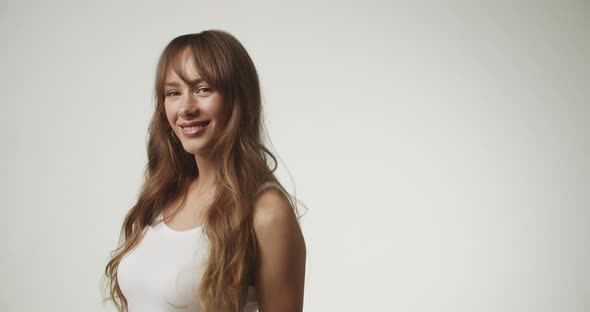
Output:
x=189 y=106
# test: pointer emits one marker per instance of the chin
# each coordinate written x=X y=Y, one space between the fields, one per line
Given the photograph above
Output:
x=192 y=148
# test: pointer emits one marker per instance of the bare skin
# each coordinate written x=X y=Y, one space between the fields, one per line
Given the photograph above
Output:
x=186 y=103
x=191 y=214
x=281 y=269
x=280 y=273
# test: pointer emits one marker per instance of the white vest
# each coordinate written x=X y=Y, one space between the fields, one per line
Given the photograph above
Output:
x=166 y=268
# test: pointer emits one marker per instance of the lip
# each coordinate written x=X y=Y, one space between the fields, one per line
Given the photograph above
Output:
x=194 y=123
x=195 y=132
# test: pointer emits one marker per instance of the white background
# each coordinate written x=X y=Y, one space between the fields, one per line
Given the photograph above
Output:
x=442 y=150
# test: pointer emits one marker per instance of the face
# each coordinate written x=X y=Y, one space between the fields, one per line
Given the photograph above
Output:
x=195 y=111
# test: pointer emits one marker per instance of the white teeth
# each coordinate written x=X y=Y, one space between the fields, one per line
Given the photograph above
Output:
x=195 y=127
x=191 y=128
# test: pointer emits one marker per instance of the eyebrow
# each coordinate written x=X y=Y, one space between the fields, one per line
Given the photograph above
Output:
x=192 y=82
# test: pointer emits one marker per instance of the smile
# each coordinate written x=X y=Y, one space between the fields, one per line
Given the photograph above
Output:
x=195 y=130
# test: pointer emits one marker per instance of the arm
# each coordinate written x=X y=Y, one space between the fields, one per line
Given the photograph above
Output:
x=280 y=272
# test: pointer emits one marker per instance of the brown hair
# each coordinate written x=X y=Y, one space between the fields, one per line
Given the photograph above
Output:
x=224 y=63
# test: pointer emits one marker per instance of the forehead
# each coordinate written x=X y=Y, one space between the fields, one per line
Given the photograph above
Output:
x=182 y=68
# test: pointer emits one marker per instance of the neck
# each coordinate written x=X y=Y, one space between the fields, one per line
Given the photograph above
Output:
x=206 y=168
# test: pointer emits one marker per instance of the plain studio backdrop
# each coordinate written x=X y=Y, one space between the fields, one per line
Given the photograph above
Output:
x=442 y=150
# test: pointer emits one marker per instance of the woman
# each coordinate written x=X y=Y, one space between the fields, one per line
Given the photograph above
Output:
x=212 y=229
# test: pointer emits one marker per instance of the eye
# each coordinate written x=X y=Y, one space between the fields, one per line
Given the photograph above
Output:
x=204 y=89
x=171 y=93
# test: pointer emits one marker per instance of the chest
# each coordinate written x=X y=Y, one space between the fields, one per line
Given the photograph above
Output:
x=165 y=269
x=187 y=215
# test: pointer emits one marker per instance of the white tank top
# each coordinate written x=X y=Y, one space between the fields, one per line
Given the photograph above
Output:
x=166 y=268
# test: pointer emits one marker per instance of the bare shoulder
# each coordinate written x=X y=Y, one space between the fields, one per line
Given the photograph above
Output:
x=281 y=262
x=271 y=206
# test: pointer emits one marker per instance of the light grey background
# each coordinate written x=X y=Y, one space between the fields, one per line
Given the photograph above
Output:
x=442 y=149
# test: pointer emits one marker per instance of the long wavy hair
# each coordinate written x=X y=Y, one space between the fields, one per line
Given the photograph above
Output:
x=243 y=165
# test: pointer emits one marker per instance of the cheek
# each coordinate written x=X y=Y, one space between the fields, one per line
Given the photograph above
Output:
x=220 y=110
x=169 y=114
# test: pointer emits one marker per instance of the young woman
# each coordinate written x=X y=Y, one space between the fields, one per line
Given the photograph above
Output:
x=212 y=229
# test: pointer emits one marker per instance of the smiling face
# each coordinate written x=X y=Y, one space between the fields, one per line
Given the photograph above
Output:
x=195 y=111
